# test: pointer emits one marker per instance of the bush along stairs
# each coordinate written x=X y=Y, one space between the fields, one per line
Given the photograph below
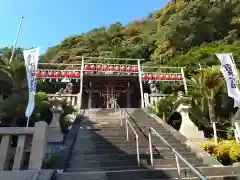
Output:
x=102 y=151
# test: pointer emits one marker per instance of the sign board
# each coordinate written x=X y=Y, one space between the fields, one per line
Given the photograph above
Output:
x=66 y=80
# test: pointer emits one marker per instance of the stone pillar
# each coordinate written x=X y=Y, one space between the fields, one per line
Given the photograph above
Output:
x=237 y=126
x=146 y=99
x=69 y=99
x=236 y=120
x=79 y=99
x=55 y=134
x=113 y=102
x=90 y=99
x=152 y=98
x=38 y=146
x=128 y=99
x=188 y=128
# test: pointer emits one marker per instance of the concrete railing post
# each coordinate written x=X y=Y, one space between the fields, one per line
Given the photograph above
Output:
x=146 y=99
x=237 y=129
x=38 y=145
x=78 y=99
x=4 y=146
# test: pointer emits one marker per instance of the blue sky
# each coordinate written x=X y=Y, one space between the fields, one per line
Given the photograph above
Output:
x=48 y=22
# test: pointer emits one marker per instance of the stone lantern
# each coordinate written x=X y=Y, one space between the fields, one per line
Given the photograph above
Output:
x=55 y=134
x=188 y=128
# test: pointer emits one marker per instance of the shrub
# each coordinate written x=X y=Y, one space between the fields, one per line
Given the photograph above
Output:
x=230 y=133
x=226 y=151
x=50 y=161
x=65 y=122
x=164 y=106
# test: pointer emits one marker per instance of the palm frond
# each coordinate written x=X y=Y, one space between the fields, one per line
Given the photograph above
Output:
x=207 y=82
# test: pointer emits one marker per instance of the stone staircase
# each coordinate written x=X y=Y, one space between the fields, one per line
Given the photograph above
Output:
x=101 y=152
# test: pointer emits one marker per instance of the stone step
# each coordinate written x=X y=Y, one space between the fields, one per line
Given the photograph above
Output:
x=125 y=149
x=121 y=141
x=127 y=162
x=122 y=145
x=109 y=128
x=112 y=168
x=149 y=174
x=144 y=154
x=150 y=122
x=116 y=155
x=101 y=164
x=107 y=133
x=119 y=137
x=130 y=157
x=117 y=168
x=114 y=138
x=104 y=145
x=112 y=134
x=101 y=139
x=113 y=156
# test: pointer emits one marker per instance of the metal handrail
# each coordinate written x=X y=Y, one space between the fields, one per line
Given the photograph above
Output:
x=127 y=125
x=176 y=153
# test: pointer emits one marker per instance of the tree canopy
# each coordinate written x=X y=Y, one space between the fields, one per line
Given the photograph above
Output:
x=181 y=33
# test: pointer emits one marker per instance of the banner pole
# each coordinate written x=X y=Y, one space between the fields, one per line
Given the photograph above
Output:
x=28 y=118
x=15 y=43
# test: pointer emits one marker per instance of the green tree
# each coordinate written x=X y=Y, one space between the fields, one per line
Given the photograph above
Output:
x=205 y=85
x=192 y=23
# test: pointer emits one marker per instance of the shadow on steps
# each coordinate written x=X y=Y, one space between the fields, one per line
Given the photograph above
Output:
x=102 y=152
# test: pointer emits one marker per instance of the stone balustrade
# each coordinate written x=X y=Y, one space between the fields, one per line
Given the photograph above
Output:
x=37 y=146
x=151 y=99
x=73 y=99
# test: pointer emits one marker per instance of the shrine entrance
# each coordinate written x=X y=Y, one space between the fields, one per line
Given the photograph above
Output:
x=96 y=82
x=100 y=91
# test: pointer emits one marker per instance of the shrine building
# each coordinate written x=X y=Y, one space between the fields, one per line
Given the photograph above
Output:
x=98 y=83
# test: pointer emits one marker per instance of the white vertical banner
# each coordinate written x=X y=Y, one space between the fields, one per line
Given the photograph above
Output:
x=31 y=58
x=230 y=73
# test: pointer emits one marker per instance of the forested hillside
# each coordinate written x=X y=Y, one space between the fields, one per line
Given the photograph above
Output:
x=181 y=33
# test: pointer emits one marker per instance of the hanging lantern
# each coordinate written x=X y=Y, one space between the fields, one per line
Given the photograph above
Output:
x=51 y=74
x=87 y=67
x=99 y=67
x=129 y=68
x=162 y=76
x=155 y=76
x=168 y=77
x=57 y=74
x=106 y=68
x=38 y=73
x=123 y=68
x=179 y=77
x=77 y=74
x=64 y=74
x=93 y=67
x=117 y=68
x=135 y=68
x=145 y=76
x=44 y=74
x=111 y=68
x=71 y=74
x=150 y=76
x=173 y=77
